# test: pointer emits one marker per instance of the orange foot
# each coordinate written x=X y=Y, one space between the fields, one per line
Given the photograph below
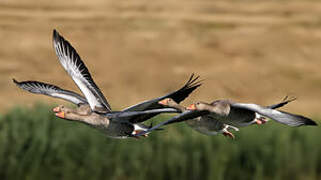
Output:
x=139 y=131
x=260 y=121
x=229 y=134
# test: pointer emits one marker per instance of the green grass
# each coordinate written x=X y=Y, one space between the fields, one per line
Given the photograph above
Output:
x=36 y=145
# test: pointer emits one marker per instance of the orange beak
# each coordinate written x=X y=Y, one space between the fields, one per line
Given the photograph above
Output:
x=56 y=109
x=163 y=102
x=60 y=114
x=191 y=107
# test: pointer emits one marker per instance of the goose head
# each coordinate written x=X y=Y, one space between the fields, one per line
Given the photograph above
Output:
x=60 y=111
x=199 y=106
x=65 y=113
x=171 y=103
x=168 y=102
x=218 y=107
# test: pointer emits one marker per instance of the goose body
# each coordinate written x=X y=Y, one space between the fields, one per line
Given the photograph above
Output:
x=93 y=109
x=203 y=124
x=242 y=114
x=102 y=123
x=223 y=111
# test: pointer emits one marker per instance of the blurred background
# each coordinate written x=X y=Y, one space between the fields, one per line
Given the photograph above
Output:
x=246 y=50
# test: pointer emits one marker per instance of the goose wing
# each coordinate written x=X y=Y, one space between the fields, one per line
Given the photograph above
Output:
x=284 y=102
x=78 y=71
x=178 y=96
x=121 y=116
x=279 y=116
x=179 y=118
x=51 y=90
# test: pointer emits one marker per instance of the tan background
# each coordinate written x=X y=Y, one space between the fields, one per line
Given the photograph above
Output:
x=250 y=51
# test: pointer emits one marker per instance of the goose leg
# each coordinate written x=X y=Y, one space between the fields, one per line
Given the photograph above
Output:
x=227 y=133
x=260 y=119
x=135 y=132
x=232 y=127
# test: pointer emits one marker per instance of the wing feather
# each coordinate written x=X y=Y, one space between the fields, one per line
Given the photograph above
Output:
x=178 y=96
x=121 y=116
x=279 y=116
x=78 y=71
x=37 y=87
x=179 y=118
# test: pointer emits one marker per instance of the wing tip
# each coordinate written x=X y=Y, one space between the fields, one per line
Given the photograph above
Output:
x=15 y=81
x=55 y=34
x=306 y=121
x=310 y=122
x=193 y=81
x=182 y=93
x=288 y=99
x=56 y=37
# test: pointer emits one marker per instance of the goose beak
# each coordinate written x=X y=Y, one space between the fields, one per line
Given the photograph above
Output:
x=60 y=114
x=56 y=109
x=191 y=107
x=163 y=102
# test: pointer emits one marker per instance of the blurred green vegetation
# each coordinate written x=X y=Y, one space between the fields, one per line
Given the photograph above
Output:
x=36 y=145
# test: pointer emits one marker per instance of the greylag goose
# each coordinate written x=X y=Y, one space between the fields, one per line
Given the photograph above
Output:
x=94 y=110
x=237 y=114
x=242 y=114
x=203 y=124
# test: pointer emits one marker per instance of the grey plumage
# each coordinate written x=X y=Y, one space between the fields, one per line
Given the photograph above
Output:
x=75 y=67
x=279 y=116
x=51 y=90
x=94 y=109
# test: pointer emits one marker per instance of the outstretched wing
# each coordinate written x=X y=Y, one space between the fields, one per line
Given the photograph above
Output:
x=178 y=96
x=279 y=116
x=76 y=68
x=121 y=116
x=179 y=118
x=51 y=90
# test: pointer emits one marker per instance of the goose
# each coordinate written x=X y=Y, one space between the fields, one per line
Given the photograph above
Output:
x=93 y=109
x=237 y=114
x=84 y=113
x=203 y=124
x=243 y=114
x=211 y=126
x=222 y=106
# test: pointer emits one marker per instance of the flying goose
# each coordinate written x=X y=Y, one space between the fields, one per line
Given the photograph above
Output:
x=203 y=124
x=242 y=114
x=236 y=114
x=94 y=110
